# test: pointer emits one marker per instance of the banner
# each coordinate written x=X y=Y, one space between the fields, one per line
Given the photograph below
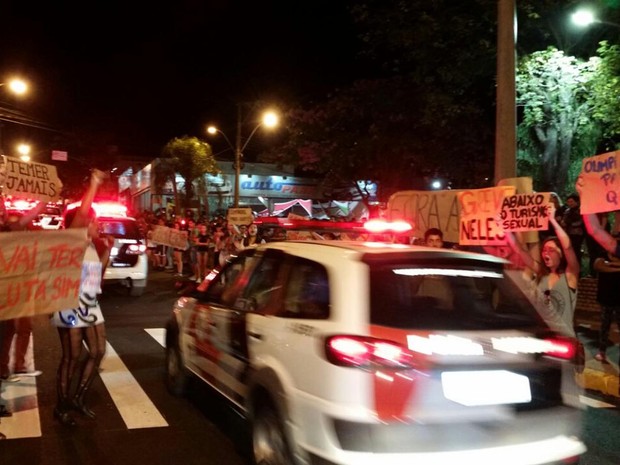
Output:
x=40 y=271
x=239 y=216
x=525 y=212
x=427 y=209
x=30 y=180
x=480 y=210
x=170 y=237
x=601 y=184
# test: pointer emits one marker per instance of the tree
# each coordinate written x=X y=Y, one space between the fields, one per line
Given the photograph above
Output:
x=568 y=105
x=189 y=157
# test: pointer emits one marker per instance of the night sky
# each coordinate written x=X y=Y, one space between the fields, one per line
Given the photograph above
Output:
x=141 y=73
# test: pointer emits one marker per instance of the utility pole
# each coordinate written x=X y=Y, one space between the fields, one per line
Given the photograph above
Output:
x=506 y=108
x=237 y=156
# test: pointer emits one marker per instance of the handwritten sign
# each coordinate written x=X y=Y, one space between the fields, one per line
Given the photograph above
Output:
x=525 y=212
x=170 y=237
x=601 y=183
x=40 y=271
x=427 y=209
x=239 y=216
x=479 y=211
x=31 y=180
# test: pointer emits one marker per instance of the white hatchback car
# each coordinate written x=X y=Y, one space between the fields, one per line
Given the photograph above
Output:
x=365 y=353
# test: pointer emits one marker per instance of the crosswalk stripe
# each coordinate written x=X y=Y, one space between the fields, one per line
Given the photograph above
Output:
x=159 y=334
x=21 y=399
x=594 y=403
x=133 y=404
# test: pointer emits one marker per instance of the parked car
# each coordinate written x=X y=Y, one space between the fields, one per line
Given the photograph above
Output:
x=346 y=352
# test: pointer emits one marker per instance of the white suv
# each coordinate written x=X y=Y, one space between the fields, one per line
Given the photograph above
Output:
x=128 y=261
x=364 y=353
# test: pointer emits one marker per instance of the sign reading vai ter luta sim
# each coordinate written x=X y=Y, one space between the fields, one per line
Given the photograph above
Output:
x=40 y=271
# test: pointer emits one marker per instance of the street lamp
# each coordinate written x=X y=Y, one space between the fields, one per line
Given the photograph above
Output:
x=585 y=18
x=18 y=87
x=270 y=120
x=24 y=151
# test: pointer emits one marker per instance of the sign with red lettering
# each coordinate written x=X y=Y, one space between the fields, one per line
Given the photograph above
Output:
x=40 y=271
x=601 y=183
x=480 y=210
x=31 y=180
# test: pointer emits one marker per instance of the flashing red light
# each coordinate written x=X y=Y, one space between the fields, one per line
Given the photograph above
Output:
x=182 y=221
x=104 y=208
x=382 y=226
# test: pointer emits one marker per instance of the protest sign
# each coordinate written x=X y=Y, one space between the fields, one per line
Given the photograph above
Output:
x=601 y=183
x=479 y=210
x=31 y=180
x=40 y=271
x=170 y=237
x=427 y=209
x=525 y=212
x=239 y=216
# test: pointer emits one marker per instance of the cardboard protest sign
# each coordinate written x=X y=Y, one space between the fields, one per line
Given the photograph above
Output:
x=480 y=209
x=170 y=237
x=525 y=212
x=239 y=216
x=31 y=180
x=524 y=185
x=601 y=183
x=40 y=271
x=427 y=209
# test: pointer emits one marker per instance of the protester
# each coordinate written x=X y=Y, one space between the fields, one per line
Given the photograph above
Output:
x=17 y=330
x=252 y=237
x=556 y=273
x=201 y=242
x=596 y=230
x=607 y=295
x=433 y=237
x=572 y=223
x=84 y=323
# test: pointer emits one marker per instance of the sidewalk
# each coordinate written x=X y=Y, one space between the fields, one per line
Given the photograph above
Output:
x=597 y=376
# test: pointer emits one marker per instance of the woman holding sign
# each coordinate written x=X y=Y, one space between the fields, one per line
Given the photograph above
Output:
x=86 y=322
x=556 y=273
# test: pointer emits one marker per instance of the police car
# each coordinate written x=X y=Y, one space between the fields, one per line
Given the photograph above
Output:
x=351 y=352
x=128 y=264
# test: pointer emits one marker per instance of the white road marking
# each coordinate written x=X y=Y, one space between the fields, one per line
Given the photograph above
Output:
x=159 y=334
x=133 y=404
x=21 y=399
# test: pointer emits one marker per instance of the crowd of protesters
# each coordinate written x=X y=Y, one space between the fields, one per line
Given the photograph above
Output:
x=209 y=243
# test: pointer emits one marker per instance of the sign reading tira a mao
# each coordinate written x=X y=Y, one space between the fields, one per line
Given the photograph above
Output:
x=525 y=212
x=170 y=237
x=40 y=271
x=601 y=183
x=31 y=180
x=480 y=209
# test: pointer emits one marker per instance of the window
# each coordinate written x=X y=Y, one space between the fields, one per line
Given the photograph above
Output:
x=263 y=285
x=307 y=291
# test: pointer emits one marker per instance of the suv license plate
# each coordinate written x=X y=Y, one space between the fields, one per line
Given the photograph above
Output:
x=488 y=387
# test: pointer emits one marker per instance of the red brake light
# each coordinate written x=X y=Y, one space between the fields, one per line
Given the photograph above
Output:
x=367 y=353
x=562 y=348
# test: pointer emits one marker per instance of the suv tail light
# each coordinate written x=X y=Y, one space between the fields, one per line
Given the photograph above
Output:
x=367 y=353
x=136 y=249
x=563 y=348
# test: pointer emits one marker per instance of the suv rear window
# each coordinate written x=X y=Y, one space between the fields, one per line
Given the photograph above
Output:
x=425 y=296
x=122 y=228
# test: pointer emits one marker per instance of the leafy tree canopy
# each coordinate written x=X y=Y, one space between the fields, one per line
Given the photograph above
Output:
x=191 y=158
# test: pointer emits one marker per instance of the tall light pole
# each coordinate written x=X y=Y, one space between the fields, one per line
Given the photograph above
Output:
x=269 y=120
x=18 y=87
x=506 y=107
